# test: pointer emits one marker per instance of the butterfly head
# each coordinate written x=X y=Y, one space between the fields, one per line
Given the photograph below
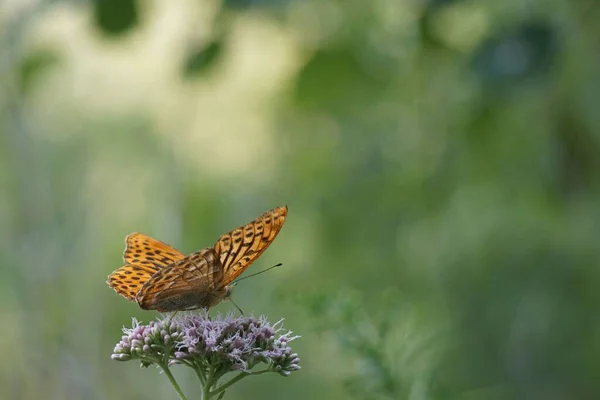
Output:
x=228 y=289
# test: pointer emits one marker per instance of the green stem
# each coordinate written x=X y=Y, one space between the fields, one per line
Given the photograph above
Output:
x=237 y=378
x=200 y=374
x=167 y=371
x=206 y=394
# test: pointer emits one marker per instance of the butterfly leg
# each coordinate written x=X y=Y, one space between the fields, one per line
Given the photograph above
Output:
x=236 y=306
x=206 y=314
x=171 y=317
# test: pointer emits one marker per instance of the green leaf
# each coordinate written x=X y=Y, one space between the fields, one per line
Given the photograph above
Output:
x=335 y=79
x=33 y=66
x=116 y=17
x=202 y=60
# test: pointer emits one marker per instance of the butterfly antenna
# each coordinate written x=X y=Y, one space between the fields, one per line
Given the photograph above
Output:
x=236 y=306
x=258 y=273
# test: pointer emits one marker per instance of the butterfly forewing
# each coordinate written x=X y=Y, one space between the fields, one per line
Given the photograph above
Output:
x=143 y=256
x=143 y=250
x=240 y=247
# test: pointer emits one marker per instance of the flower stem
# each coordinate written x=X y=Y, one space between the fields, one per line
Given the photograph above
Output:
x=237 y=378
x=200 y=374
x=206 y=394
x=174 y=383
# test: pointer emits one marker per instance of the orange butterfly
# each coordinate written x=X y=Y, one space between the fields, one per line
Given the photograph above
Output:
x=158 y=277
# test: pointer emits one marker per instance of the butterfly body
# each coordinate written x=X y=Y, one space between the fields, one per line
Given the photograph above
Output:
x=158 y=277
x=191 y=283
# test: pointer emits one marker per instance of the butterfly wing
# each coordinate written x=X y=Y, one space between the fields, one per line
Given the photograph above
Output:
x=145 y=251
x=144 y=256
x=240 y=247
x=189 y=283
x=128 y=280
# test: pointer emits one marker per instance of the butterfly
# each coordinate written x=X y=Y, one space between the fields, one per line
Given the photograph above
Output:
x=159 y=277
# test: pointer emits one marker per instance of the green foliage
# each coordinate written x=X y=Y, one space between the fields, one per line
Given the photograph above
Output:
x=34 y=66
x=201 y=60
x=392 y=351
x=440 y=161
x=116 y=17
x=534 y=45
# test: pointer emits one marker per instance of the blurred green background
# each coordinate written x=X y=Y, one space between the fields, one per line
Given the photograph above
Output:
x=440 y=160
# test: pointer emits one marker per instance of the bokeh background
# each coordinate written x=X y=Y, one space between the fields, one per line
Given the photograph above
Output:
x=440 y=160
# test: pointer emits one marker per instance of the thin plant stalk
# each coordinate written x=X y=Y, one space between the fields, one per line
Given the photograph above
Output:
x=174 y=383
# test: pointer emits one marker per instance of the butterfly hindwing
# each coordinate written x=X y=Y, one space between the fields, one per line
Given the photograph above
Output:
x=128 y=280
x=143 y=256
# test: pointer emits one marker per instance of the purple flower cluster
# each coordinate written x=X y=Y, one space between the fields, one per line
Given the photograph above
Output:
x=149 y=343
x=237 y=344
x=223 y=344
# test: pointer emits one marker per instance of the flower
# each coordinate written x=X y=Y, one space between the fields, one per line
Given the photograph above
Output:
x=237 y=344
x=150 y=343
x=211 y=346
